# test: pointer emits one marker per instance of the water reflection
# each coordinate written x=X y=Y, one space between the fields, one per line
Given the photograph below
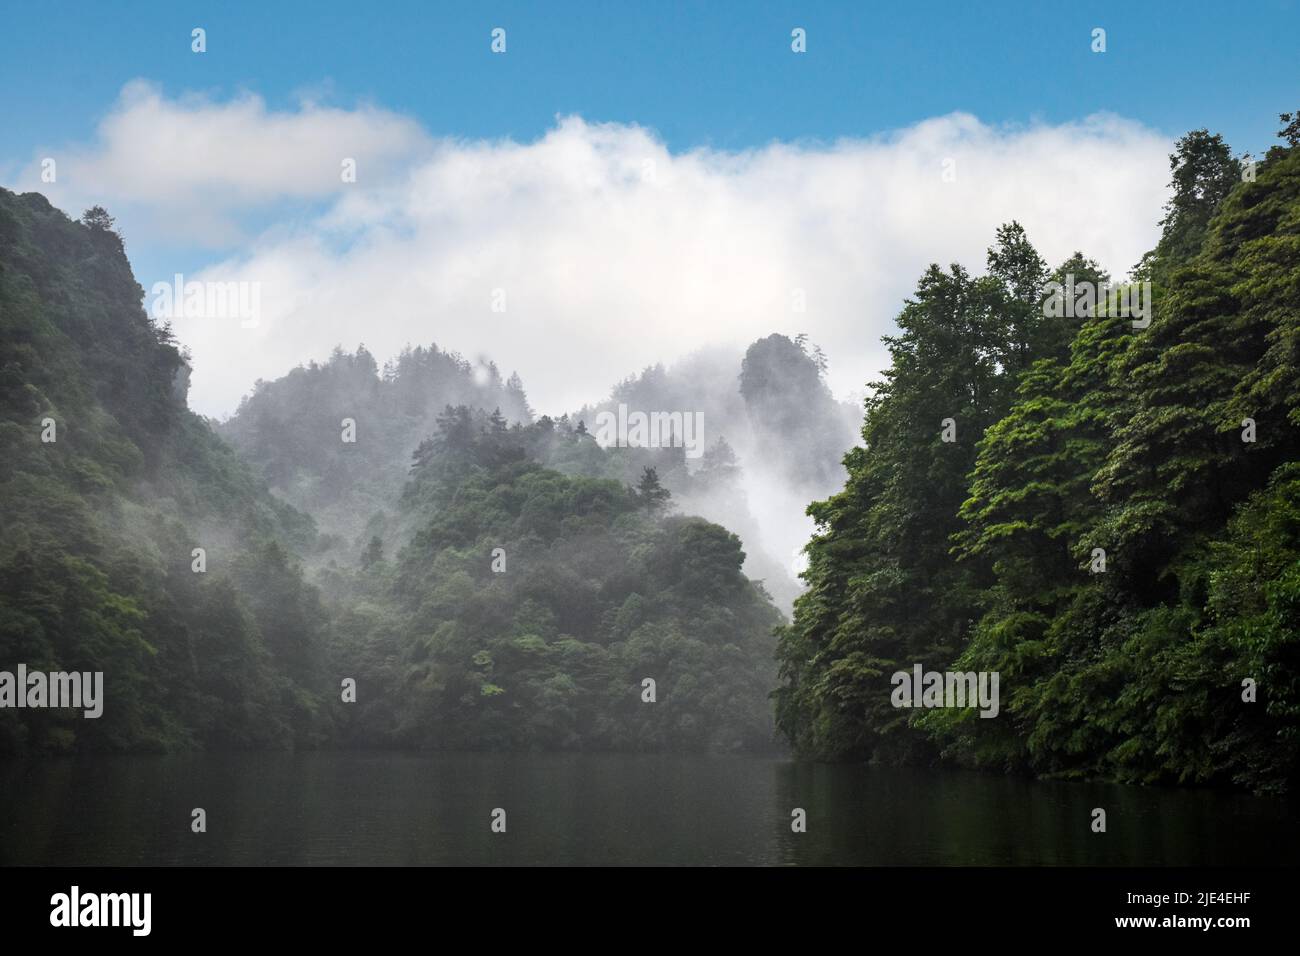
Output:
x=417 y=809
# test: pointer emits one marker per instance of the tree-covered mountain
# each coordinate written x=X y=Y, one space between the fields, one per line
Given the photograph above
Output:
x=290 y=430
x=479 y=598
x=549 y=650
x=108 y=484
x=531 y=608
x=795 y=422
x=773 y=434
x=1113 y=528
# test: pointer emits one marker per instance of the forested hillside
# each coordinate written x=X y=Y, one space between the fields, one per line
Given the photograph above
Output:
x=771 y=437
x=476 y=597
x=532 y=607
x=1170 y=452
x=290 y=431
x=107 y=485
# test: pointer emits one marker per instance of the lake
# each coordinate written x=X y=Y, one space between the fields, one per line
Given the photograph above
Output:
x=417 y=809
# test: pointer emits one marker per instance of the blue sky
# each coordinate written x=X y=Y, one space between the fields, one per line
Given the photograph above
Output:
x=698 y=73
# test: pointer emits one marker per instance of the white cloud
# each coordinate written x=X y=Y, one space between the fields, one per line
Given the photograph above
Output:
x=193 y=165
x=612 y=251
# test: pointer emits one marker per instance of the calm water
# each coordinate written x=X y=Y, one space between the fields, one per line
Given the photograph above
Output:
x=404 y=809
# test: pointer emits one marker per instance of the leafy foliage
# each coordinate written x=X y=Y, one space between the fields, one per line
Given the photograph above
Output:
x=1100 y=437
x=597 y=589
x=100 y=523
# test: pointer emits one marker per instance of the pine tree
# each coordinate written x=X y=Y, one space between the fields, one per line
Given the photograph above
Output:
x=652 y=494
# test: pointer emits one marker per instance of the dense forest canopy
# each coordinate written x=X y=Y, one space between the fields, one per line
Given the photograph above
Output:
x=107 y=484
x=532 y=607
x=1111 y=523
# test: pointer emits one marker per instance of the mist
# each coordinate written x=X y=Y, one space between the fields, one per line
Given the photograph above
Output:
x=770 y=405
